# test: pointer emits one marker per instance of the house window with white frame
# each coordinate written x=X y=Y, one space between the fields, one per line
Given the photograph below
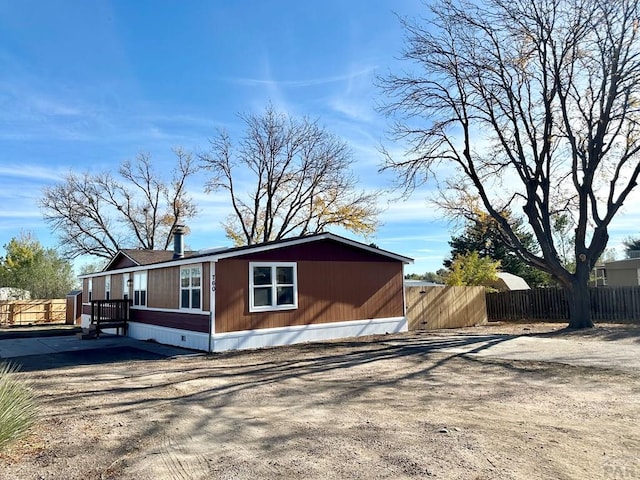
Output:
x=90 y=288
x=272 y=286
x=140 y=289
x=191 y=287
x=107 y=287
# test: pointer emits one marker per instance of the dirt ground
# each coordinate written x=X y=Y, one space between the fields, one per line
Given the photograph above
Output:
x=388 y=407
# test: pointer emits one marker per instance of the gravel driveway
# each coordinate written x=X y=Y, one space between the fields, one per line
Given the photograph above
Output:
x=497 y=402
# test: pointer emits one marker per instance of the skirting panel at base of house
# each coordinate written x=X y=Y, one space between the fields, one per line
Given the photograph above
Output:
x=169 y=336
x=267 y=337
x=271 y=337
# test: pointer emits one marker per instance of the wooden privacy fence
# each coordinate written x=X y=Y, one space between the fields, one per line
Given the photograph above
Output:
x=25 y=312
x=607 y=304
x=429 y=308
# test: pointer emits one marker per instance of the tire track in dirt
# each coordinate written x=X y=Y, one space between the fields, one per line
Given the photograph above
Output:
x=180 y=459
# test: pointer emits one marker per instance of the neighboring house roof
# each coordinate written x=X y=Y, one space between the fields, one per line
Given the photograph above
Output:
x=627 y=263
x=421 y=283
x=143 y=257
x=509 y=281
x=160 y=258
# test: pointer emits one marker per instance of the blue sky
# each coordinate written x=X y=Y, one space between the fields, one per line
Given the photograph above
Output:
x=85 y=85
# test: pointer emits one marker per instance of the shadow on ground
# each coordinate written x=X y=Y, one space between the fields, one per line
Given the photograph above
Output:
x=96 y=356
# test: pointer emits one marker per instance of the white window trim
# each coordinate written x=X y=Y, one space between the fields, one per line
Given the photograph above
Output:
x=125 y=285
x=190 y=288
x=90 y=289
x=136 y=275
x=273 y=307
x=107 y=287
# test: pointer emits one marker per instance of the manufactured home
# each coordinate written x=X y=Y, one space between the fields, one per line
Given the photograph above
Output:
x=302 y=289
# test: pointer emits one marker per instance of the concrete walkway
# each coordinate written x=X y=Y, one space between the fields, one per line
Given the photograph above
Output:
x=618 y=355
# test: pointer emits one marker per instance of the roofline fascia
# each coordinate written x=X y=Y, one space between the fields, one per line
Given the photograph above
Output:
x=256 y=249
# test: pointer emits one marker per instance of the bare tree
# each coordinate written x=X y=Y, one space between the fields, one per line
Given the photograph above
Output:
x=287 y=177
x=535 y=103
x=98 y=214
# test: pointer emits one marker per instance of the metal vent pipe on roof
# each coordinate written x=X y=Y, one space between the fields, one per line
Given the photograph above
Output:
x=178 y=241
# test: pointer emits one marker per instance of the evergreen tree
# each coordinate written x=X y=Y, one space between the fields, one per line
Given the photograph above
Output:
x=631 y=245
x=483 y=236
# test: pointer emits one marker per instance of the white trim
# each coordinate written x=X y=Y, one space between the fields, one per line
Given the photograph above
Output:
x=125 y=285
x=314 y=238
x=212 y=296
x=237 y=252
x=190 y=288
x=168 y=336
x=106 y=267
x=271 y=337
x=267 y=337
x=107 y=287
x=273 y=285
x=140 y=279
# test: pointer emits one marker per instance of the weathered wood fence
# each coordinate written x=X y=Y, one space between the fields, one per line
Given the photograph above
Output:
x=26 y=312
x=430 y=308
x=607 y=304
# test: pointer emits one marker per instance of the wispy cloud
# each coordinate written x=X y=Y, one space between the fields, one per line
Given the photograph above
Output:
x=32 y=172
x=299 y=83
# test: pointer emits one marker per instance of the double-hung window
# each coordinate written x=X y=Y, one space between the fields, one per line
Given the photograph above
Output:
x=272 y=286
x=140 y=288
x=107 y=287
x=90 y=288
x=191 y=287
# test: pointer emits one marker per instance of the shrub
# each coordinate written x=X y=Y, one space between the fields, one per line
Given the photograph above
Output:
x=18 y=405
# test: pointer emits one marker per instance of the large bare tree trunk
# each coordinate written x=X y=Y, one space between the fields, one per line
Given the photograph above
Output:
x=579 y=300
x=535 y=105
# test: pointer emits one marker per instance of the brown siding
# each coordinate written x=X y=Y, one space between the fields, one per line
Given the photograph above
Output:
x=116 y=286
x=325 y=250
x=183 y=321
x=163 y=286
x=328 y=291
x=98 y=288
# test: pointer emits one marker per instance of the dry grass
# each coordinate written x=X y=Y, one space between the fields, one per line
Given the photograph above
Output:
x=18 y=405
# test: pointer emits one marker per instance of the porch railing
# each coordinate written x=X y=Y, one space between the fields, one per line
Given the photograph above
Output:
x=110 y=314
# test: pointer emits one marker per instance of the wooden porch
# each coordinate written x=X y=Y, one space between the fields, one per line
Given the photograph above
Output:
x=110 y=314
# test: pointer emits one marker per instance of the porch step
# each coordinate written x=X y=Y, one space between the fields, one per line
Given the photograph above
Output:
x=88 y=333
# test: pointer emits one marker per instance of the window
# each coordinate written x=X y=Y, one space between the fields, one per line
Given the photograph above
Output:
x=107 y=287
x=272 y=286
x=90 y=288
x=140 y=288
x=190 y=287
